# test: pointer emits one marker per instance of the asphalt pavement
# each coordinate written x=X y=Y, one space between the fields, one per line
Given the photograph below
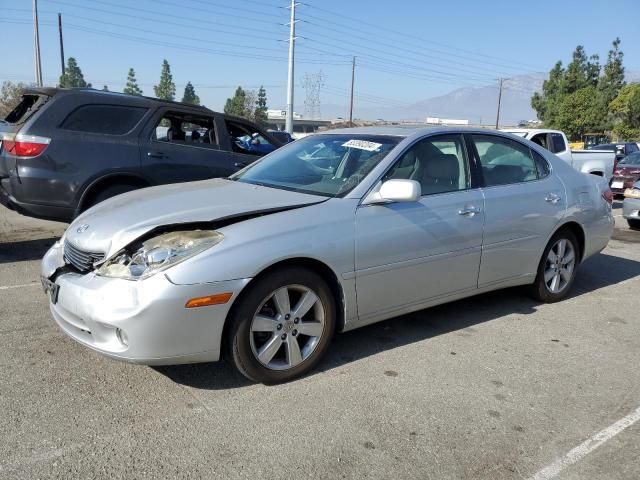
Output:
x=492 y=387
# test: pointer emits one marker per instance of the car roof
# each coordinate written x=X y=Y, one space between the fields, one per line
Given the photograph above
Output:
x=140 y=100
x=400 y=130
x=529 y=130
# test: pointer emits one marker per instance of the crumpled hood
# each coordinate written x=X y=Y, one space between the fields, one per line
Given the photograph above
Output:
x=114 y=223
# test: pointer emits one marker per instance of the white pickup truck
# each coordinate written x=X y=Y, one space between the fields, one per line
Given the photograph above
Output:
x=587 y=161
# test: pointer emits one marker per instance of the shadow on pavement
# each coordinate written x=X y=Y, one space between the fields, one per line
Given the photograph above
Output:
x=25 y=250
x=596 y=273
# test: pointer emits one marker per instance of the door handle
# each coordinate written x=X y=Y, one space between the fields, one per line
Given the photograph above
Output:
x=469 y=211
x=240 y=164
x=156 y=155
x=552 y=198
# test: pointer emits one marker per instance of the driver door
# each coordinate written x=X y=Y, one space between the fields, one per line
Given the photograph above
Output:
x=408 y=254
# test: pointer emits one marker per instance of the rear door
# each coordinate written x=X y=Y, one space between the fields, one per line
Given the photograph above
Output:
x=524 y=201
x=181 y=146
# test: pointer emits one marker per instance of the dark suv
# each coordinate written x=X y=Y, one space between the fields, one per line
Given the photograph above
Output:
x=64 y=150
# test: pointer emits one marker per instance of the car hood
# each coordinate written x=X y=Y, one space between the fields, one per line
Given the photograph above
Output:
x=114 y=223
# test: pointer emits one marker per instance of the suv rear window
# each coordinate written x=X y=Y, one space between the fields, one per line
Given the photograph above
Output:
x=109 y=119
x=23 y=110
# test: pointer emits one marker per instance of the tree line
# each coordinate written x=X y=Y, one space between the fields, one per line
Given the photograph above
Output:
x=245 y=103
x=587 y=97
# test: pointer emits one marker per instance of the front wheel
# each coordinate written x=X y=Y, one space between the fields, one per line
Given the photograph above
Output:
x=281 y=326
x=633 y=223
x=557 y=268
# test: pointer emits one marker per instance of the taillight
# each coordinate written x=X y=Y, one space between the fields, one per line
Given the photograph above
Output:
x=608 y=196
x=26 y=145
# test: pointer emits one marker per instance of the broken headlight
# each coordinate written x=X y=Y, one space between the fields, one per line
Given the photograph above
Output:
x=158 y=253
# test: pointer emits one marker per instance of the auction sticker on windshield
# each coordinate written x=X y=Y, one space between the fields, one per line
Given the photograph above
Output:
x=362 y=145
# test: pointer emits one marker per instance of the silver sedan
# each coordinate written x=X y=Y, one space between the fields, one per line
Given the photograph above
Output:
x=329 y=233
x=631 y=206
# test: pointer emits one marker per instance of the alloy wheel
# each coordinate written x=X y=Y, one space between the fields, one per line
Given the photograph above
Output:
x=561 y=261
x=287 y=327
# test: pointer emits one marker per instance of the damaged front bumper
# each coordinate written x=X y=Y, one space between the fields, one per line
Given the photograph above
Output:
x=142 y=321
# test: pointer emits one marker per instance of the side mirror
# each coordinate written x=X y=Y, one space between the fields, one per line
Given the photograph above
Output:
x=395 y=191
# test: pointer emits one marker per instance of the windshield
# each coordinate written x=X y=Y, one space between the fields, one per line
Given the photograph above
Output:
x=633 y=159
x=328 y=165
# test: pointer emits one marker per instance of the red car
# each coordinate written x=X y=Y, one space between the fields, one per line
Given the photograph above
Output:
x=626 y=173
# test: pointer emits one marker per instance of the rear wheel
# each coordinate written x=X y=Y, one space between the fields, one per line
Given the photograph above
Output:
x=108 y=192
x=557 y=268
x=281 y=326
x=633 y=223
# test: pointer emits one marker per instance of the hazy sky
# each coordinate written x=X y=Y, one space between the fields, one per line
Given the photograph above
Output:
x=407 y=50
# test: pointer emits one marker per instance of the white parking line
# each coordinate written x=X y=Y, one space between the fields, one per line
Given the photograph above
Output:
x=7 y=287
x=587 y=446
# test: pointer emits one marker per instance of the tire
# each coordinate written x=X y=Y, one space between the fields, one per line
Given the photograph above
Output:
x=544 y=291
x=260 y=321
x=633 y=223
x=108 y=192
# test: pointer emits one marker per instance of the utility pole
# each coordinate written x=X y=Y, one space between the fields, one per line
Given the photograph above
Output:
x=36 y=45
x=292 y=39
x=499 y=100
x=61 y=42
x=353 y=78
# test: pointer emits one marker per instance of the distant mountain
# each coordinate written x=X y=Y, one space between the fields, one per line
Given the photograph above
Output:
x=476 y=104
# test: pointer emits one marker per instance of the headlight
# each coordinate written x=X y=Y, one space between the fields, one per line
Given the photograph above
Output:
x=159 y=253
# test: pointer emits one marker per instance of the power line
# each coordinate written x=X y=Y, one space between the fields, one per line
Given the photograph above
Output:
x=415 y=56
x=175 y=45
x=377 y=27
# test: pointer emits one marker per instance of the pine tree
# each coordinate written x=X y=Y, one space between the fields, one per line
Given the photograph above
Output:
x=132 y=87
x=236 y=104
x=612 y=79
x=260 y=114
x=73 y=77
x=166 y=89
x=190 y=95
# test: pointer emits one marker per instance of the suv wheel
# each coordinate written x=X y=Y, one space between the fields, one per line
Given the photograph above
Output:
x=108 y=192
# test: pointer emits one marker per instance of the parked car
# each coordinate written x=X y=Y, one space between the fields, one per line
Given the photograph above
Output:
x=631 y=205
x=627 y=172
x=62 y=150
x=586 y=161
x=265 y=266
x=284 y=137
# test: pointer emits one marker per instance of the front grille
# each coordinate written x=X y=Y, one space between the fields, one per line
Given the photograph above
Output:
x=79 y=259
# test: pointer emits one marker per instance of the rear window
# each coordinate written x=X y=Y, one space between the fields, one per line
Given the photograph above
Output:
x=23 y=110
x=107 y=119
x=558 y=143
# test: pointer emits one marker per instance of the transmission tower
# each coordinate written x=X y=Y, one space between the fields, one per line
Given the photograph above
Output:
x=312 y=84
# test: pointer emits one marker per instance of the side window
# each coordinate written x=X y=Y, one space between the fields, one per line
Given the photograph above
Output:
x=108 y=119
x=247 y=139
x=557 y=143
x=185 y=129
x=632 y=147
x=437 y=163
x=541 y=139
x=504 y=161
x=541 y=164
